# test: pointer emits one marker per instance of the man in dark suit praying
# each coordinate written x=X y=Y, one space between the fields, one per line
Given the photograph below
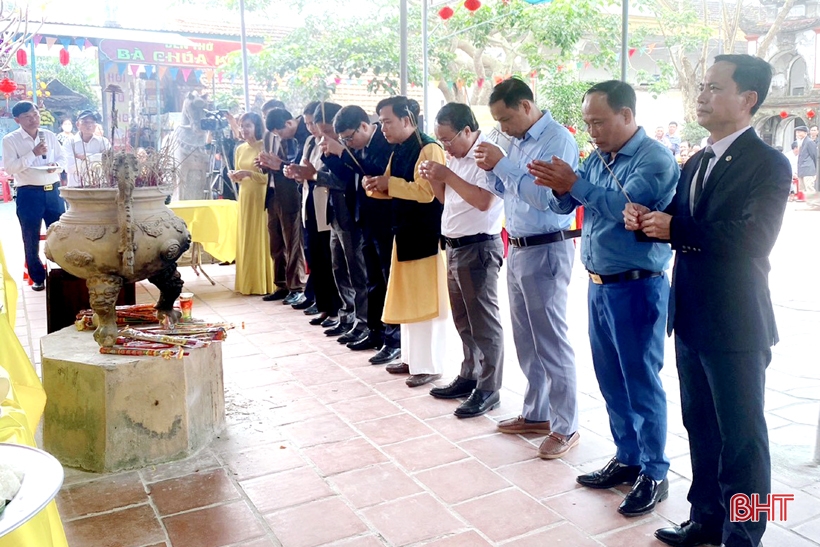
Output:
x=723 y=223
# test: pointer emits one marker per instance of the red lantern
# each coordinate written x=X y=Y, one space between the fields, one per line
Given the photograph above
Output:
x=784 y=114
x=446 y=12
x=472 y=5
x=22 y=58
x=7 y=87
x=64 y=57
x=810 y=114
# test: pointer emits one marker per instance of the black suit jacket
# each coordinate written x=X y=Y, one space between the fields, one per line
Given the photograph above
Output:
x=720 y=297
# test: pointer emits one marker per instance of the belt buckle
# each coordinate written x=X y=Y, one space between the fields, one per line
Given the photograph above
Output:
x=596 y=278
x=48 y=187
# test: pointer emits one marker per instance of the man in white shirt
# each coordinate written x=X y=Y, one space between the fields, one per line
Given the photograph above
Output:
x=83 y=149
x=34 y=158
x=470 y=226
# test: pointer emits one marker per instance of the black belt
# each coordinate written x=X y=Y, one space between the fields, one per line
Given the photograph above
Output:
x=541 y=239
x=46 y=188
x=630 y=275
x=456 y=242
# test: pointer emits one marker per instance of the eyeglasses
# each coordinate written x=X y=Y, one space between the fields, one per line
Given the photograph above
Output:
x=449 y=142
x=347 y=139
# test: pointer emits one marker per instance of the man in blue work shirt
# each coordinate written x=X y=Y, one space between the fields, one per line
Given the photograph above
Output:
x=628 y=290
x=539 y=266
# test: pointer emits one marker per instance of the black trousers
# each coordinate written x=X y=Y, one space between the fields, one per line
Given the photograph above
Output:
x=722 y=396
x=377 y=235
x=320 y=264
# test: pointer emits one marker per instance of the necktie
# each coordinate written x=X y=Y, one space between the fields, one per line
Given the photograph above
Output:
x=708 y=154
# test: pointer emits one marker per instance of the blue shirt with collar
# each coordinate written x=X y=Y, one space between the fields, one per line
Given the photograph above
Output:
x=649 y=174
x=527 y=205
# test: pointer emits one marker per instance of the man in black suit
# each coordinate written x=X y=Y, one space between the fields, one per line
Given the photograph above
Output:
x=723 y=223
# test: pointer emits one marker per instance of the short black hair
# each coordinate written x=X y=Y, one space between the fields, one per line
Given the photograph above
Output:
x=512 y=91
x=402 y=107
x=325 y=112
x=277 y=118
x=22 y=107
x=751 y=74
x=310 y=108
x=271 y=104
x=350 y=117
x=256 y=119
x=795 y=145
x=458 y=116
x=673 y=122
x=618 y=94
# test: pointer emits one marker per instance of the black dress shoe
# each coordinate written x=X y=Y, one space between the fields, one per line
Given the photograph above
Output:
x=460 y=387
x=330 y=322
x=338 y=330
x=295 y=297
x=304 y=304
x=612 y=474
x=38 y=287
x=370 y=342
x=355 y=335
x=319 y=319
x=479 y=402
x=385 y=355
x=646 y=493
x=689 y=534
x=278 y=294
x=311 y=310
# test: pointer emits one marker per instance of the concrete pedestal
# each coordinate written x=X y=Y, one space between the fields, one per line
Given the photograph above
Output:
x=107 y=413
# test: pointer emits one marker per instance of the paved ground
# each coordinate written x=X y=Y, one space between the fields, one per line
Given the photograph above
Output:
x=323 y=449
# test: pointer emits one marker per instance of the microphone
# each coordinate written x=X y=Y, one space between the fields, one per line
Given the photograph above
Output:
x=42 y=138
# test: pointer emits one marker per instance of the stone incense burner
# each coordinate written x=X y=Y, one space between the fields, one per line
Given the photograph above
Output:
x=120 y=234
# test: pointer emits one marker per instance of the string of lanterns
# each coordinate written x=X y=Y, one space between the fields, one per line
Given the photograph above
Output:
x=473 y=5
x=810 y=114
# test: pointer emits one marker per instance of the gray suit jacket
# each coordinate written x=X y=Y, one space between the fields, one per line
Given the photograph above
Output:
x=807 y=158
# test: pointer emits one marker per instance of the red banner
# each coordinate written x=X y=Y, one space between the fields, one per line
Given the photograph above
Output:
x=203 y=54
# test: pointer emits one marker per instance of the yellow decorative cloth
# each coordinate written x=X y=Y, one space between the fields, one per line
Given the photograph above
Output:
x=212 y=222
x=20 y=412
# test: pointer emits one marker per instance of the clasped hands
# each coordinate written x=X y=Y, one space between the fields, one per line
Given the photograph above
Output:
x=655 y=224
x=376 y=184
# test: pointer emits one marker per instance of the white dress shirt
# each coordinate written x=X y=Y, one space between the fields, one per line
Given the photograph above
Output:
x=719 y=148
x=459 y=218
x=19 y=158
x=92 y=150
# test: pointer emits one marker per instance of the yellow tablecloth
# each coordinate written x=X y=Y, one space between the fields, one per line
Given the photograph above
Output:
x=20 y=412
x=212 y=222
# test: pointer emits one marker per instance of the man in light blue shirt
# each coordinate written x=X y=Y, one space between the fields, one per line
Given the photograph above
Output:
x=539 y=266
x=628 y=290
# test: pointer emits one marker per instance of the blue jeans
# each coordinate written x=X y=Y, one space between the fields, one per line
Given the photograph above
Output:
x=35 y=205
x=626 y=331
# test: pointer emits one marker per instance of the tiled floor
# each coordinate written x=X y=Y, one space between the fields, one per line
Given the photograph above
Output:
x=322 y=448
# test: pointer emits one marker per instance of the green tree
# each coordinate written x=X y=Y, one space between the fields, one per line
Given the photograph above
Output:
x=77 y=76
x=466 y=52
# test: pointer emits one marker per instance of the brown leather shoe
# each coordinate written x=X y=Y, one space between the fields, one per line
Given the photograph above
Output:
x=417 y=380
x=555 y=445
x=519 y=425
x=398 y=368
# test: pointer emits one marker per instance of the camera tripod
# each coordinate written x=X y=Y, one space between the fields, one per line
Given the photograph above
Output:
x=217 y=174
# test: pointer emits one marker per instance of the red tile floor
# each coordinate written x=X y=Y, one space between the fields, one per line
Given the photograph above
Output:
x=322 y=448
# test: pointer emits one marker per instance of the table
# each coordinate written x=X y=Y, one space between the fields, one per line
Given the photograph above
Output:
x=43 y=479
x=212 y=224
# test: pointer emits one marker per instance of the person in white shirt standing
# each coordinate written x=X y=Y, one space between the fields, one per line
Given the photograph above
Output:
x=470 y=226
x=34 y=158
x=83 y=149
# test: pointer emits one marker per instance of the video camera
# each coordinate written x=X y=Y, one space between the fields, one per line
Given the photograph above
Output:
x=214 y=120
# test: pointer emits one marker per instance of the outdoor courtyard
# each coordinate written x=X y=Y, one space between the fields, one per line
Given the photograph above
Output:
x=322 y=448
